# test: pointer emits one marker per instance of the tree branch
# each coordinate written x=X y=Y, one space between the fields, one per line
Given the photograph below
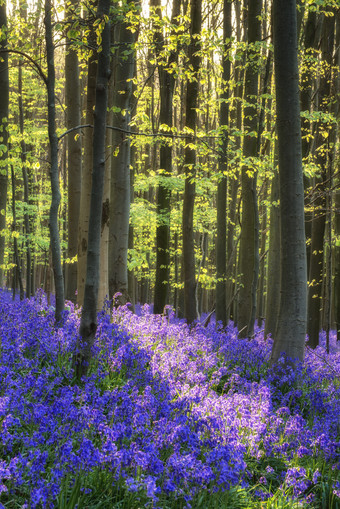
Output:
x=35 y=64
x=135 y=133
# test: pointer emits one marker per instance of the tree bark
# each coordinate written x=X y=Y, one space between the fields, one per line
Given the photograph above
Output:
x=273 y=285
x=85 y=193
x=167 y=85
x=337 y=192
x=194 y=61
x=74 y=162
x=120 y=169
x=4 y=101
x=319 y=213
x=249 y=254
x=54 y=170
x=291 y=328
x=221 y=240
x=88 y=323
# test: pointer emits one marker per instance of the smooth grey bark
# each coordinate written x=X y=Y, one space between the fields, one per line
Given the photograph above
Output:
x=291 y=326
x=124 y=59
x=337 y=192
x=54 y=170
x=74 y=162
x=194 y=61
x=4 y=101
x=85 y=193
x=221 y=200
x=167 y=85
x=249 y=240
x=322 y=152
x=88 y=323
x=26 y=189
x=310 y=45
x=273 y=284
x=15 y=243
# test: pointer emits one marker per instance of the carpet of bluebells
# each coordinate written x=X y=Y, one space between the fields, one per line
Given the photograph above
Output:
x=168 y=417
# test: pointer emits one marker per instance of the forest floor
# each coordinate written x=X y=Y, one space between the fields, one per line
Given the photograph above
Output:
x=168 y=417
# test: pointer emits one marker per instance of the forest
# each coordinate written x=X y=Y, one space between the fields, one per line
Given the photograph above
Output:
x=169 y=254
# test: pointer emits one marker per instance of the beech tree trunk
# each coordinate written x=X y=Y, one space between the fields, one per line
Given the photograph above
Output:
x=315 y=301
x=88 y=323
x=120 y=164
x=337 y=192
x=25 y=182
x=54 y=170
x=167 y=85
x=4 y=100
x=190 y=303
x=273 y=285
x=74 y=163
x=249 y=242
x=15 y=244
x=85 y=194
x=221 y=240
x=291 y=327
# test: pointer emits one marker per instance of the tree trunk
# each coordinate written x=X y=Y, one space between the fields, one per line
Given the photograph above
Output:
x=85 y=194
x=120 y=169
x=249 y=254
x=221 y=241
x=273 y=285
x=74 y=163
x=88 y=323
x=291 y=328
x=319 y=213
x=167 y=85
x=15 y=243
x=190 y=304
x=54 y=171
x=4 y=101
x=337 y=192
x=25 y=181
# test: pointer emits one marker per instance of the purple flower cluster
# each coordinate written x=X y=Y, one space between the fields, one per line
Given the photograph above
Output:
x=166 y=412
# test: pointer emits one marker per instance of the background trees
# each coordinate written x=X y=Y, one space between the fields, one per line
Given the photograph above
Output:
x=191 y=109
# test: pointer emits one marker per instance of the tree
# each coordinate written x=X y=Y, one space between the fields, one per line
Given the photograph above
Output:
x=4 y=102
x=167 y=85
x=54 y=170
x=88 y=323
x=249 y=240
x=291 y=327
x=322 y=151
x=74 y=162
x=194 y=62
x=120 y=165
x=85 y=192
x=221 y=242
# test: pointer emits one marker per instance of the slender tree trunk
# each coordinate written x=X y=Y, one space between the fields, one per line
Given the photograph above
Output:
x=54 y=171
x=249 y=241
x=15 y=242
x=167 y=85
x=291 y=328
x=88 y=323
x=273 y=285
x=74 y=162
x=221 y=241
x=337 y=192
x=4 y=101
x=319 y=213
x=25 y=181
x=120 y=176
x=190 y=304
x=310 y=45
x=85 y=194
